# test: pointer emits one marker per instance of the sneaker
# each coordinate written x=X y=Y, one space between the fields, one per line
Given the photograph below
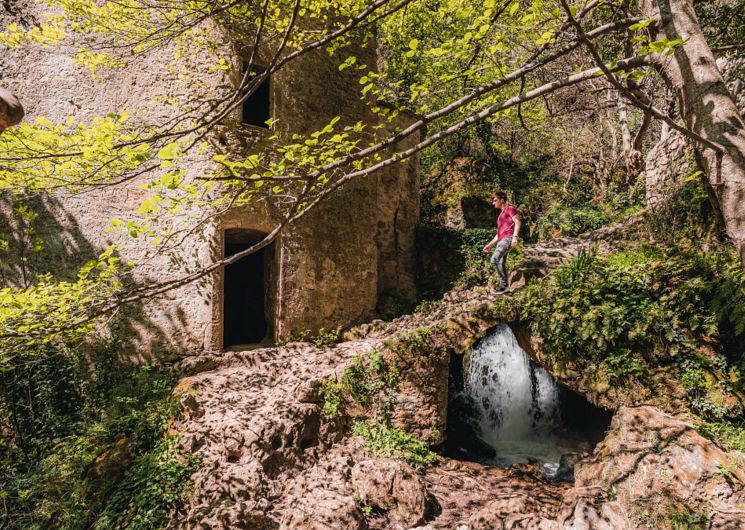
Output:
x=501 y=289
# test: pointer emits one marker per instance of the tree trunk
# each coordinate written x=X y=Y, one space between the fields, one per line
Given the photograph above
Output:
x=632 y=144
x=707 y=108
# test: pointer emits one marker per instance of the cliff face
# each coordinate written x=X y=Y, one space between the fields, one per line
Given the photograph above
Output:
x=332 y=268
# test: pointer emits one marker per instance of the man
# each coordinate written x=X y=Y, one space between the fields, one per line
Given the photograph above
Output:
x=508 y=228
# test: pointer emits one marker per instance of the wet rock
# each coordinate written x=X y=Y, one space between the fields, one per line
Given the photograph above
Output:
x=463 y=429
x=475 y=496
x=567 y=463
x=392 y=486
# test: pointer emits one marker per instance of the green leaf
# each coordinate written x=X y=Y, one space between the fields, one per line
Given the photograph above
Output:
x=168 y=152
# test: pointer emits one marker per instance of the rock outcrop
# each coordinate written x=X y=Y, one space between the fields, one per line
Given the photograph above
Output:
x=270 y=459
x=392 y=486
x=656 y=465
x=248 y=420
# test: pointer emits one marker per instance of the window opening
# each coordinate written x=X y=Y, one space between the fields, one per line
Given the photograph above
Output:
x=256 y=109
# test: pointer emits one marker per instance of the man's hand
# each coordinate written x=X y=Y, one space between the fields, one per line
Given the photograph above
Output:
x=514 y=242
x=487 y=248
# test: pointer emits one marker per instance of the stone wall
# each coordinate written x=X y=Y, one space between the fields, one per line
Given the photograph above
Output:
x=666 y=165
x=331 y=267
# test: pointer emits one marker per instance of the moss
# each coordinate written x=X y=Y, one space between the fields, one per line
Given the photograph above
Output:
x=383 y=440
x=369 y=379
x=681 y=518
x=428 y=306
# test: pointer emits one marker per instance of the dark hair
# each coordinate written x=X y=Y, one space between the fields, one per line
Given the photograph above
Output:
x=500 y=195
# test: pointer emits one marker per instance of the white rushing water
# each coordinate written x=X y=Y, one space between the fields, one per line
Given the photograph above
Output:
x=517 y=402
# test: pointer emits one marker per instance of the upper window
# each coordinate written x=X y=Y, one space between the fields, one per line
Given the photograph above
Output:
x=256 y=109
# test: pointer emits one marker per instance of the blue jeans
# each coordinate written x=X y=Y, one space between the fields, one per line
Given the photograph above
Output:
x=499 y=260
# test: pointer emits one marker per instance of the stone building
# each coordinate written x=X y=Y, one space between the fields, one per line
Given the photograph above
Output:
x=333 y=268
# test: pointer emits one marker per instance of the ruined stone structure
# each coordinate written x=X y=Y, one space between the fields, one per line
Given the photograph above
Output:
x=331 y=269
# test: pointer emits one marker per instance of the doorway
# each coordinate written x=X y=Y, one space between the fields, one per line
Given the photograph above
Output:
x=246 y=290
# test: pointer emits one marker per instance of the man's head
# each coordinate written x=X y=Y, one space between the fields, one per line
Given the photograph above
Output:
x=499 y=200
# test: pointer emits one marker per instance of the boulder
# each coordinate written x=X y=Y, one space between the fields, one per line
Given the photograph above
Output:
x=11 y=110
x=658 y=466
x=394 y=487
x=322 y=509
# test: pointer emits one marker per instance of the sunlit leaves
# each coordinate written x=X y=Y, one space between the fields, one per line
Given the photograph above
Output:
x=49 y=32
x=29 y=316
x=41 y=155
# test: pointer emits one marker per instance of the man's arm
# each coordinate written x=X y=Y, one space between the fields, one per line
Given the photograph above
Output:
x=491 y=243
x=518 y=224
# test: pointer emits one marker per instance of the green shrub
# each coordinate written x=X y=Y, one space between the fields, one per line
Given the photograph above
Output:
x=686 y=215
x=323 y=337
x=477 y=268
x=326 y=338
x=562 y=220
x=157 y=481
x=646 y=306
x=366 y=379
x=428 y=306
x=331 y=393
x=681 y=518
x=730 y=435
x=415 y=340
x=44 y=477
x=386 y=441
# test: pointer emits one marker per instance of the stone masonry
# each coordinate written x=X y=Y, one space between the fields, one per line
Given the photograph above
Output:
x=329 y=270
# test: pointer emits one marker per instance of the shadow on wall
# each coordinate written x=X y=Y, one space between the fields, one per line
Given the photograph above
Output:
x=439 y=261
x=477 y=213
x=38 y=236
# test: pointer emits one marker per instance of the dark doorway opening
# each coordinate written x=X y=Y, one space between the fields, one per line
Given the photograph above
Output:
x=246 y=307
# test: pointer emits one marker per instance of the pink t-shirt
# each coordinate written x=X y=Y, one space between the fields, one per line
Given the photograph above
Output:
x=506 y=223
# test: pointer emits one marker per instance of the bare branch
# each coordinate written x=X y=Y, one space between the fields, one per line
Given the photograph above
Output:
x=627 y=93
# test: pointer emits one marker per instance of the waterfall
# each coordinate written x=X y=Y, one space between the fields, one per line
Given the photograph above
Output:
x=516 y=398
x=504 y=409
x=517 y=401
